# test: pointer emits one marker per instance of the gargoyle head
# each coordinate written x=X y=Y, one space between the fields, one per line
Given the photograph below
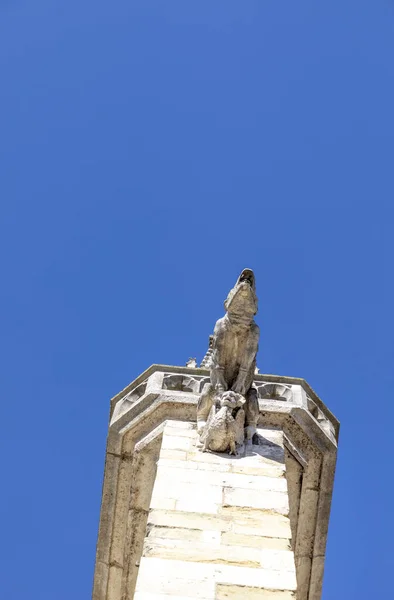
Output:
x=232 y=399
x=241 y=303
x=247 y=276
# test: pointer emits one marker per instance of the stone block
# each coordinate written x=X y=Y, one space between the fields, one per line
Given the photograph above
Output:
x=177 y=442
x=255 y=522
x=237 y=592
x=180 y=425
x=207 y=536
x=189 y=520
x=274 y=501
x=207 y=457
x=263 y=469
x=173 y=454
x=149 y=596
x=255 y=541
x=196 y=476
x=195 y=503
x=180 y=431
x=163 y=503
x=192 y=465
x=176 y=578
x=260 y=578
x=115 y=580
x=173 y=487
x=277 y=560
x=270 y=434
x=201 y=552
x=223 y=467
x=254 y=482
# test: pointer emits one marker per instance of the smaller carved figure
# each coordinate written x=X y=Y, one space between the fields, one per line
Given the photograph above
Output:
x=192 y=363
x=224 y=429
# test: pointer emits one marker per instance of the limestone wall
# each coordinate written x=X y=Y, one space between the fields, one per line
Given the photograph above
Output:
x=218 y=526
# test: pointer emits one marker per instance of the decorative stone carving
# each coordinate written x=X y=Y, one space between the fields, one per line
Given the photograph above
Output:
x=277 y=391
x=129 y=399
x=181 y=383
x=232 y=358
x=207 y=360
x=191 y=363
x=318 y=414
x=224 y=430
x=203 y=382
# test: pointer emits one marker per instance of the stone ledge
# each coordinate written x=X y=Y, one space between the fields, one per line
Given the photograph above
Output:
x=275 y=387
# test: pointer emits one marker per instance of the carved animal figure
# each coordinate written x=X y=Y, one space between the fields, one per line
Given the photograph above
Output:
x=225 y=426
x=234 y=348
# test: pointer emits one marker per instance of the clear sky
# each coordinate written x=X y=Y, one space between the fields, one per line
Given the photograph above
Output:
x=149 y=150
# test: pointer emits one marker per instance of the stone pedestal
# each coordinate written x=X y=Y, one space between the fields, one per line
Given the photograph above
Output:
x=184 y=524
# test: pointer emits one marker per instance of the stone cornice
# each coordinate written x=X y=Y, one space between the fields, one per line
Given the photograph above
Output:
x=259 y=379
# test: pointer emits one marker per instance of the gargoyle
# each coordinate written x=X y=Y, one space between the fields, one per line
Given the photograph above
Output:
x=224 y=429
x=234 y=348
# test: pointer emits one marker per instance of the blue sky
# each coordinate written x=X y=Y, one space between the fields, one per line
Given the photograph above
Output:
x=149 y=151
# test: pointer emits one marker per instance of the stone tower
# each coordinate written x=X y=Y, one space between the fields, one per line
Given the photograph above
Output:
x=218 y=480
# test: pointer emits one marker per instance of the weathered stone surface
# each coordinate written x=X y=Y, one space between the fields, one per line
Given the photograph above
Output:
x=176 y=578
x=158 y=596
x=203 y=552
x=274 y=501
x=266 y=578
x=178 y=443
x=237 y=592
x=188 y=520
x=153 y=596
x=181 y=474
x=255 y=541
x=224 y=429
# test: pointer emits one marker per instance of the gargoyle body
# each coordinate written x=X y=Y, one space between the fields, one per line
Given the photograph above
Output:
x=233 y=354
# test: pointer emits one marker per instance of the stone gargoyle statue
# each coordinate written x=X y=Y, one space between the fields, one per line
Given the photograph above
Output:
x=232 y=361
